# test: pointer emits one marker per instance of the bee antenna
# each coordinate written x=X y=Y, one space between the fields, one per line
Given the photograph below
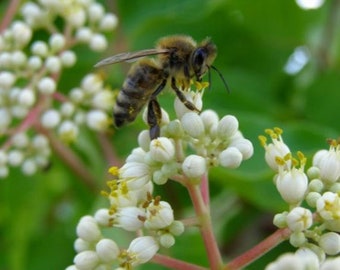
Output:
x=209 y=78
x=221 y=76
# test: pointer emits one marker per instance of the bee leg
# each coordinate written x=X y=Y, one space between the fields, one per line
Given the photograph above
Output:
x=154 y=117
x=182 y=98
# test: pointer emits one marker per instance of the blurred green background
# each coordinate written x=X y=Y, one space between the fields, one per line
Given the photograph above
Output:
x=281 y=63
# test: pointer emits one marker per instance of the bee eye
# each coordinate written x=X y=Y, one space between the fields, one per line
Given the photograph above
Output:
x=198 y=58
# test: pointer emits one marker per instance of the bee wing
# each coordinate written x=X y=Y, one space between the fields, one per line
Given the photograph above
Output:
x=129 y=57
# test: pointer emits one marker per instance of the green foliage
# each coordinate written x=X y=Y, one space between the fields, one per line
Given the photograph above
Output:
x=38 y=215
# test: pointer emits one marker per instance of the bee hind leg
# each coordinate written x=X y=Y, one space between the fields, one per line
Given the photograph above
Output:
x=182 y=97
x=154 y=117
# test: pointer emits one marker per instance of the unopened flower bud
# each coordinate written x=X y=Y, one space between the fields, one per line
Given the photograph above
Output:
x=230 y=158
x=299 y=219
x=193 y=124
x=194 y=166
x=167 y=240
x=143 y=249
x=107 y=250
x=330 y=243
x=88 y=229
x=86 y=260
x=162 y=149
x=227 y=126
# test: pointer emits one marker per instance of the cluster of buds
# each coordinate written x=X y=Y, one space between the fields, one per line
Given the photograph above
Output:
x=31 y=101
x=212 y=141
x=315 y=226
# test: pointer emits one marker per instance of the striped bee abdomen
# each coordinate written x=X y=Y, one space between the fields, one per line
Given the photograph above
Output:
x=143 y=79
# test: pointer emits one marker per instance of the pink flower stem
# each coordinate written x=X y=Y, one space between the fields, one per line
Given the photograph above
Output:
x=175 y=263
x=9 y=14
x=203 y=215
x=259 y=250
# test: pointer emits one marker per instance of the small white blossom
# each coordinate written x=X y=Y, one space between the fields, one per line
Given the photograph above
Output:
x=57 y=42
x=26 y=97
x=84 y=34
x=330 y=243
x=15 y=157
x=328 y=206
x=76 y=17
x=230 y=158
x=81 y=245
x=330 y=264
x=159 y=215
x=299 y=219
x=68 y=131
x=68 y=58
x=227 y=126
x=193 y=124
x=329 y=164
x=98 y=42
x=167 y=240
x=97 y=120
x=50 y=118
x=210 y=119
x=18 y=59
x=22 y=33
x=96 y=12
x=108 y=22
x=86 y=260
x=142 y=249
x=193 y=97
x=34 y=62
x=135 y=174
x=29 y=167
x=46 y=85
x=162 y=149
x=128 y=218
x=7 y=79
x=176 y=228
x=88 y=230
x=292 y=185
x=107 y=250
x=194 y=166
x=103 y=217
x=39 y=48
x=53 y=64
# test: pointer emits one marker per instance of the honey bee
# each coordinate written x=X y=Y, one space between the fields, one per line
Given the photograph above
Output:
x=179 y=59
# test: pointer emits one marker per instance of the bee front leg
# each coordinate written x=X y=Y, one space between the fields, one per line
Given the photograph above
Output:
x=182 y=97
x=154 y=118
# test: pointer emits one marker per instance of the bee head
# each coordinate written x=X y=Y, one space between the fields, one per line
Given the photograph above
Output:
x=202 y=58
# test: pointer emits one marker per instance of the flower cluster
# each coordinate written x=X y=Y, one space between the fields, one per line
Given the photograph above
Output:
x=212 y=141
x=30 y=71
x=317 y=226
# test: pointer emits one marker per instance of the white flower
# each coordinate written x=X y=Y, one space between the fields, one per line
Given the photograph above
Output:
x=329 y=164
x=29 y=167
x=57 y=42
x=227 y=126
x=68 y=131
x=135 y=174
x=193 y=97
x=230 y=158
x=292 y=185
x=107 y=250
x=159 y=214
x=84 y=34
x=22 y=33
x=108 y=22
x=330 y=243
x=81 y=245
x=328 y=206
x=103 y=217
x=50 y=118
x=167 y=240
x=46 y=85
x=275 y=149
x=68 y=58
x=88 y=229
x=330 y=264
x=162 y=149
x=53 y=64
x=26 y=97
x=193 y=124
x=86 y=260
x=95 y=12
x=98 y=42
x=299 y=219
x=142 y=249
x=209 y=119
x=39 y=48
x=194 y=166
x=128 y=218
x=97 y=120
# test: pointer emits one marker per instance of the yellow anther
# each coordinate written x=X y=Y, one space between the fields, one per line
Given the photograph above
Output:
x=278 y=130
x=280 y=161
x=114 y=171
x=263 y=140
